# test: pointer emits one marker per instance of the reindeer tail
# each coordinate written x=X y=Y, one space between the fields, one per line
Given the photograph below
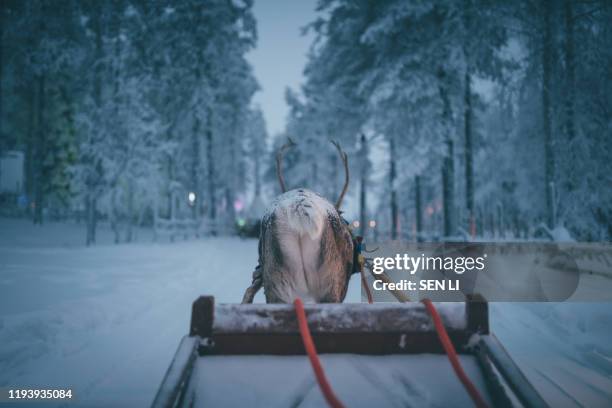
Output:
x=306 y=217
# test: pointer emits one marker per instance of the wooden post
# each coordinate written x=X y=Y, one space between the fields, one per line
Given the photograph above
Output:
x=477 y=314
x=392 y=179
x=448 y=191
x=202 y=316
x=363 y=186
x=418 y=208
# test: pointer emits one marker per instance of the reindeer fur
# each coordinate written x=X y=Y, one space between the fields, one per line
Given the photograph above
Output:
x=305 y=247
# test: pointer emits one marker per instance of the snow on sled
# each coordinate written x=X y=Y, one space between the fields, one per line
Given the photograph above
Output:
x=373 y=355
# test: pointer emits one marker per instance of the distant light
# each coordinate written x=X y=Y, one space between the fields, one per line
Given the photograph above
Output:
x=241 y=222
x=429 y=210
x=372 y=224
x=191 y=198
x=238 y=205
x=356 y=224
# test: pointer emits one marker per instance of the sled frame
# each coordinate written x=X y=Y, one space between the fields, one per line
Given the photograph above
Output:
x=378 y=329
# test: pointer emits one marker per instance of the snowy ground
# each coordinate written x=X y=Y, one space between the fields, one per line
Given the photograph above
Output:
x=106 y=320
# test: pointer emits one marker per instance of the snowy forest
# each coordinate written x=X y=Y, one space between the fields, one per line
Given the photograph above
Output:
x=462 y=119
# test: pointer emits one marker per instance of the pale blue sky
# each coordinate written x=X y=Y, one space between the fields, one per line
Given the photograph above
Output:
x=279 y=58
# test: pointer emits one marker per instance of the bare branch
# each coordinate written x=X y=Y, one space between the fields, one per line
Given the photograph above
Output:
x=279 y=161
x=344 y=159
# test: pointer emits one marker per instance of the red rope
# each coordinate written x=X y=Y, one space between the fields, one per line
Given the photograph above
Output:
x=452 y=355
x=324 y=385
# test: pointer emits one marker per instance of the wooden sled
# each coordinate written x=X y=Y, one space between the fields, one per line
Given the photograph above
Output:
x=372 y=332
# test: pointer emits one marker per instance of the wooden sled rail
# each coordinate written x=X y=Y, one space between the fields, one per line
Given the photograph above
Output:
x=336 y=328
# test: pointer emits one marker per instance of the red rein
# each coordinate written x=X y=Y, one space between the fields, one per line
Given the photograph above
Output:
x=452 y=355
x=326 y=388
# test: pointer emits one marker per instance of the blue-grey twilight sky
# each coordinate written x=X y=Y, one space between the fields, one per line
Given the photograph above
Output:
x=279 y=58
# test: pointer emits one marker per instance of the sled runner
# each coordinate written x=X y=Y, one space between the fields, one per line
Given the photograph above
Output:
x=381 y=354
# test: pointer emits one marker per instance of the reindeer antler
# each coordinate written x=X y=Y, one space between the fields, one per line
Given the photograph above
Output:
x=344 y=159
x=279 y=161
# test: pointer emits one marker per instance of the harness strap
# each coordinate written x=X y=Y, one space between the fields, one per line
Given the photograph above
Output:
x=447 y=344
x=452 y=355
x=324 y=385
x=364 y=281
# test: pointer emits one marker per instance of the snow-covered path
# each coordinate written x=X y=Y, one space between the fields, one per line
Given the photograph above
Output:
x=565 y=349
x=106 y=320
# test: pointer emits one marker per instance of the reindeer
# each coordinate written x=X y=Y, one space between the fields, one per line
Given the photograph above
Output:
x=305 y=246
